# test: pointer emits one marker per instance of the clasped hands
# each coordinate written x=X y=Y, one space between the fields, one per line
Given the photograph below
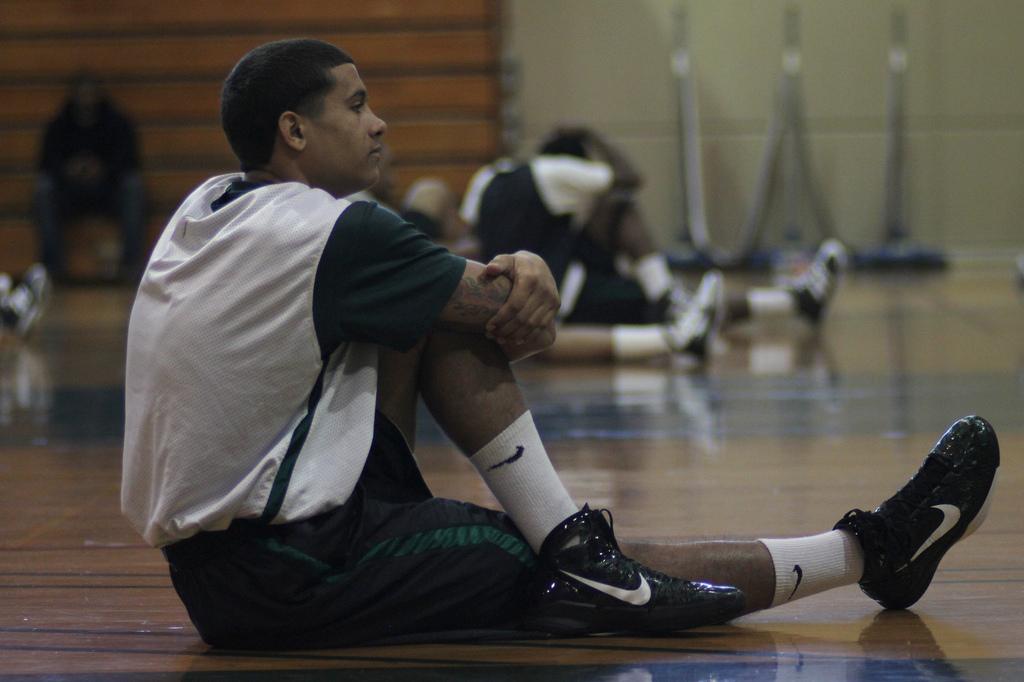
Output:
x=525 y=323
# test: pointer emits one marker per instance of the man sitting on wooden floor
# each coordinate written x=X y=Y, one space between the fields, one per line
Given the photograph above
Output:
x=277 y=347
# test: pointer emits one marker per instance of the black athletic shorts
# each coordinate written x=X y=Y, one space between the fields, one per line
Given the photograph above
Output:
x=393 y=561
x=607 y=297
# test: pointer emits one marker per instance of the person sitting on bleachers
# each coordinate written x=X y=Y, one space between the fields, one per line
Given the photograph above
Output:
x=89 y=165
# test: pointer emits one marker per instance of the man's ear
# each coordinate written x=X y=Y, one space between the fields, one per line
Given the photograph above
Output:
x=290 y=128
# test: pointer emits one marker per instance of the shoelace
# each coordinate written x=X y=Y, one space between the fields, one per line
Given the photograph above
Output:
x=890 y=540
x=612 y=542
x=659 y=582
x=890 y=532
x=914 y=495
x=607 y=514
x=610 y=555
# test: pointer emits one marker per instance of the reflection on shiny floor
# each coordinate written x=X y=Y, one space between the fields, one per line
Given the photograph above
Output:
x=787 y=429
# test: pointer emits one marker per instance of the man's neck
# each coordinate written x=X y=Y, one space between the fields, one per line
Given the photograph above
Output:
x=262 y=177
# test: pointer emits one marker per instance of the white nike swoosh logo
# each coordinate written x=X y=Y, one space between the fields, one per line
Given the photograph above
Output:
x=950 y=516
x=637 y=597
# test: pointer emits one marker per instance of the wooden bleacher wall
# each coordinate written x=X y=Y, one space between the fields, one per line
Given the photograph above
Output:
x=431 y=67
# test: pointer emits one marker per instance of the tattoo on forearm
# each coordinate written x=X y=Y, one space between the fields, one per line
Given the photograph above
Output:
x=476 y=301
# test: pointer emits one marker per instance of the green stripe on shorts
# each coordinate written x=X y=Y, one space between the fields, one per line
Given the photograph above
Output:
x=446 y=538
x=410 y=545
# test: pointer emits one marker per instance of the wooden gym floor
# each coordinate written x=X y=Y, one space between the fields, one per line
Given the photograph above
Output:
x=785 y=431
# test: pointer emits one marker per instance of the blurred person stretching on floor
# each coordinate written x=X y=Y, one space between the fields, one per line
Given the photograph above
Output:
x=575 y=204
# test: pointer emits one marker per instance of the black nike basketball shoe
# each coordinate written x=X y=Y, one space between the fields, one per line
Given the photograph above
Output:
x=946 y=500
x=586 y=585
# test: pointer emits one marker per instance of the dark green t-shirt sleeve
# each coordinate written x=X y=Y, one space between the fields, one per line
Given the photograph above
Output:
x=380 y=280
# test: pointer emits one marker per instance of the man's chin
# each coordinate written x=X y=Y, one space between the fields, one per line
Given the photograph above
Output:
x=341 y=190
x=370 y=180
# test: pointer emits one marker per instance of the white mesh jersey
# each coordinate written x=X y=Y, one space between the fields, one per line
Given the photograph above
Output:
x=233 y=409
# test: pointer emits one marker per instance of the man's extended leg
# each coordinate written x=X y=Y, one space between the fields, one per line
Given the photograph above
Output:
x=762 y=569
x=892 y=552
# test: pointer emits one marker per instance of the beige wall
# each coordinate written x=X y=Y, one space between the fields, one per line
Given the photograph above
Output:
x=607 y=63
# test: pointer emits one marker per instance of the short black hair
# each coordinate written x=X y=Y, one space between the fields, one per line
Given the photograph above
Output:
x=565 y=143
x=285 y=75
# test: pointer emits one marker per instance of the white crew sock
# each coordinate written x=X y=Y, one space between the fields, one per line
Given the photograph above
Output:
x=654 y=276
x=809 y=565
x=771 y=302
x=638 y=342
x=516 y=468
